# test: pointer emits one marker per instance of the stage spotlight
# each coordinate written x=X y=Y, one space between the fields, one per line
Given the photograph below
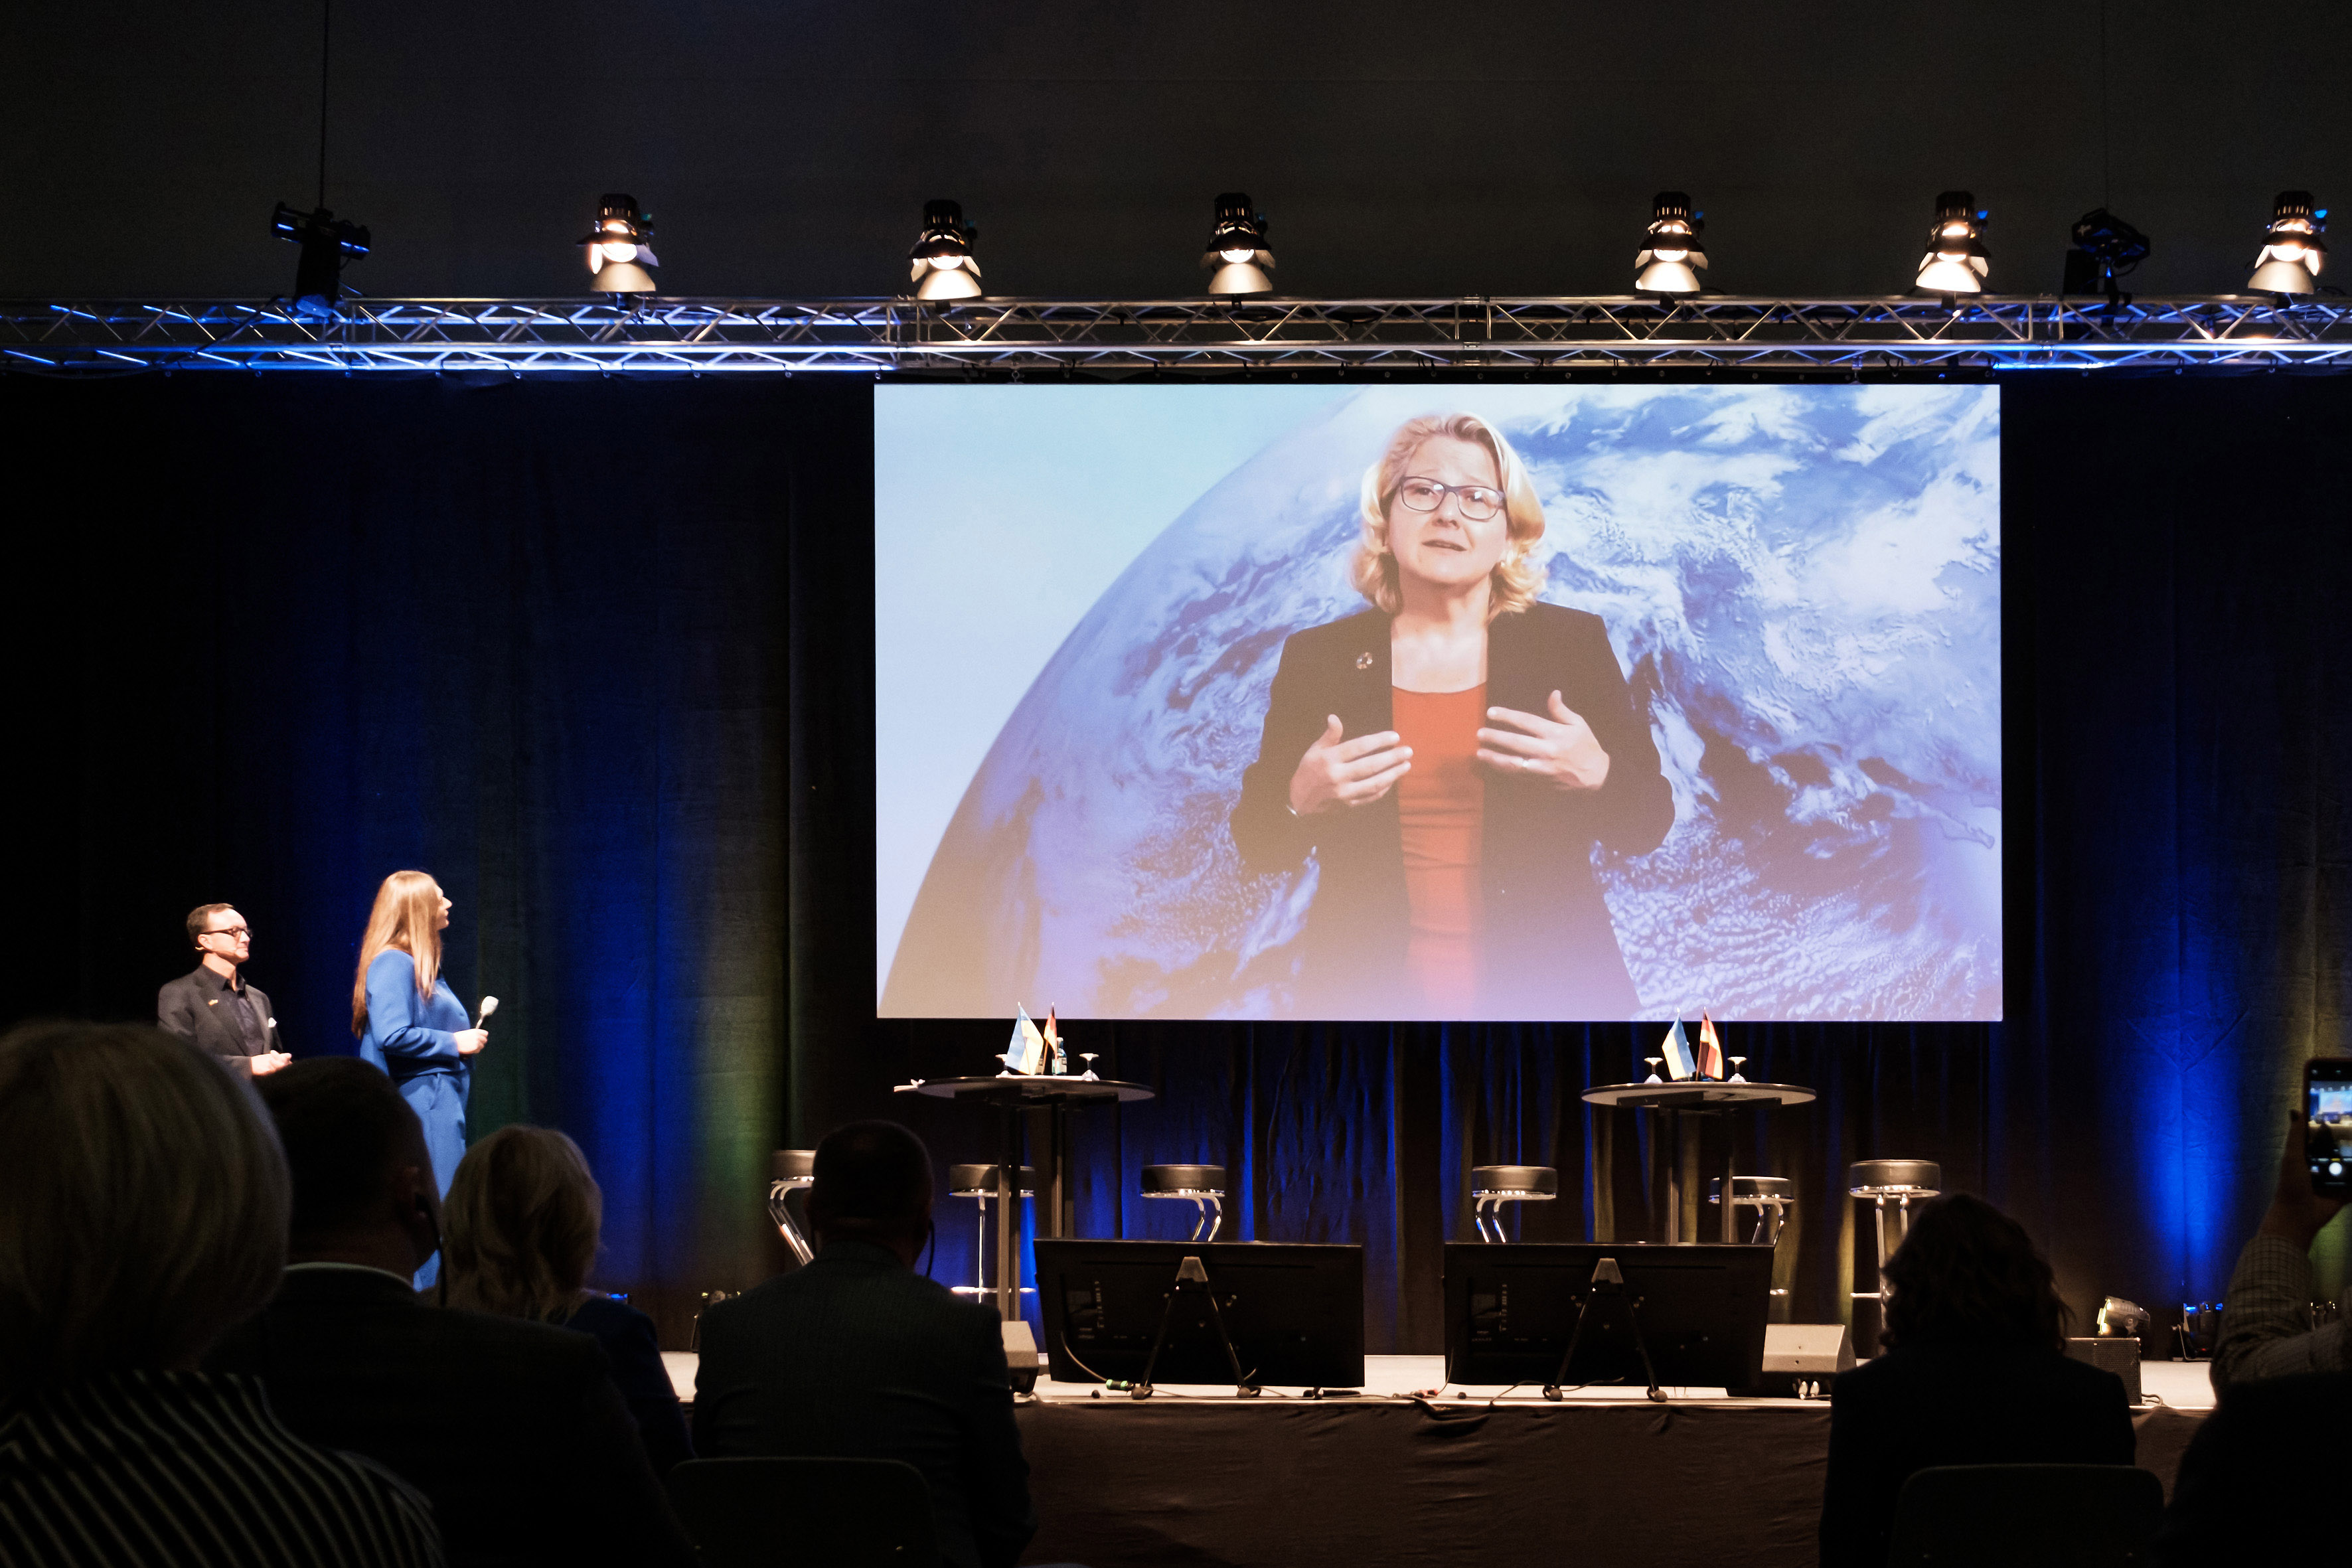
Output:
x=2106 y=248
x=1668 y=262
x=620 y=247
x=943 y=265
x=1237 y=248
x=2289 y=262
x=1956 y=259
x=327 y=243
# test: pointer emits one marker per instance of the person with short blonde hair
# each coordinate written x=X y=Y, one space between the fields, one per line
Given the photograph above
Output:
x=145 y=1214
x=1449 y=758
x=409 y=1022
x=521 y=1227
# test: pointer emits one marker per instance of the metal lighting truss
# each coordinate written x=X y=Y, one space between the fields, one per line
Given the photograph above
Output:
x=997 y=337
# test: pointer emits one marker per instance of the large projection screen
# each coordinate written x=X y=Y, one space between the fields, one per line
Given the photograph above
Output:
x=1770 y=786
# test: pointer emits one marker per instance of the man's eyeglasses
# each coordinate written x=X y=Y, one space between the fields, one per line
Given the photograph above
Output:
x=232 y=931
x=1478 y=503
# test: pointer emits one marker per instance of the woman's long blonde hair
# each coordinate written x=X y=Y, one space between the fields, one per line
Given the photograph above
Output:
x=407 y=915
x=1516 y=580
x=520 y=1226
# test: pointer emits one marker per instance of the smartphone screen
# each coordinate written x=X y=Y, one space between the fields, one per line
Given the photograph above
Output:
x=2327 y=1125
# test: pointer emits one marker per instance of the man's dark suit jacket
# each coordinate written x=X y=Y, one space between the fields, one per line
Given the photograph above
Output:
x=1957 y=1405
x=2255 y=1484
x=191 y=1008
x=857 y=1356
x=512 y=1429
x=1548 y=950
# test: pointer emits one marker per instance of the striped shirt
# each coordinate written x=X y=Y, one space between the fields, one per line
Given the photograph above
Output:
x=141 y=1468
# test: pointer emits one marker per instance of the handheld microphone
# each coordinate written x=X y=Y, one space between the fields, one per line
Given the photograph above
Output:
x=489 y=1006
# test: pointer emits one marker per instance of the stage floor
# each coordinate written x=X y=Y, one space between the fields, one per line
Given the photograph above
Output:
x=1198 y=1477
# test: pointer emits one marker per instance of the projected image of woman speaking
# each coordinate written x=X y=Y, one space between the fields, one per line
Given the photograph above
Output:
x=1450 y=757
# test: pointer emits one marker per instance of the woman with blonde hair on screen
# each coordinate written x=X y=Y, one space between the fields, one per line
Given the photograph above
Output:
x=521 y=1228
x=1450 y=756
x=411 y=1024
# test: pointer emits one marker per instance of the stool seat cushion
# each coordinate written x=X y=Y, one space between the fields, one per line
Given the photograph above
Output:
x=1183 y=1181
x=980 y=1181
x=1754 y=1189
x=1868 y=1178
x=1522 y=1182
x=795 y=1165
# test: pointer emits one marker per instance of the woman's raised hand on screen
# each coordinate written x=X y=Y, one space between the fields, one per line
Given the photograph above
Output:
x=1336 y=773
x=1561 y=750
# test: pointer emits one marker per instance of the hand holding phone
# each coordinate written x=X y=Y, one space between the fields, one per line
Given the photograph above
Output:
x=2327 y=1125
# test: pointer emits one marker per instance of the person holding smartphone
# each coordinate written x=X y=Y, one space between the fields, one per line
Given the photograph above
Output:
x=2266 y=1317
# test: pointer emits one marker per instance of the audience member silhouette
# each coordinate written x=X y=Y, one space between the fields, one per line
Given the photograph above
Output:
x=146 y=1204
x=1975 y=1374
x=2284 y=1389
x=520 y=1229
x=512 y=1429
x=857 y=1355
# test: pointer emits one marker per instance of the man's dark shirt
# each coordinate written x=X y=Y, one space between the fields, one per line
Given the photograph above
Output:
x=856 y=1356
x=512 y=1429
x=1957 y=1405
x=218 y=1016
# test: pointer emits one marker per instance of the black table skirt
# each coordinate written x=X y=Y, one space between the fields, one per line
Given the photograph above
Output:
x=1281 y=1482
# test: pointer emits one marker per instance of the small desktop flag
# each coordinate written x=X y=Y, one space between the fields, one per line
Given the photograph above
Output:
x=1710 y=1049
x=1678 y=1053
x=1026 y=1054
x=1058 y=1062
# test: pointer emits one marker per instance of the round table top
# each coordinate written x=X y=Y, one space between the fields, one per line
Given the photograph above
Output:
x=1696 y=1094
x=1027 y=1090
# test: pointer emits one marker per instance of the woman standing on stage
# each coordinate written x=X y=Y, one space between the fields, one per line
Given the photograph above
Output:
x=411 y=1024
x=1450 y=756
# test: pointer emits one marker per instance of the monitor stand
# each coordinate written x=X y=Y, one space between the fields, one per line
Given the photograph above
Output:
x=1608 y=1280
x=1191 y=1276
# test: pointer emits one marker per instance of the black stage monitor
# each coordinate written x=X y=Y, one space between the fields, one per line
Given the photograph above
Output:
x=1510 y=1307
x=1295 y=1312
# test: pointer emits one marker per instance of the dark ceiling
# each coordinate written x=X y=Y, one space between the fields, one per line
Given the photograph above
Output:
x=1464 y=148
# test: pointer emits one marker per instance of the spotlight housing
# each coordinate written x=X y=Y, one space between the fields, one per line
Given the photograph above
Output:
x=1237 y=249
x=327 y=242
x=2106 y=248
x=1669 y=260
x=1956 y=260
x=942 y=266
x=2291 y=249
x=619 y=246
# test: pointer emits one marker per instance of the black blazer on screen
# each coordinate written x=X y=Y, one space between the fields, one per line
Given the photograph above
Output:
x=1548 y=950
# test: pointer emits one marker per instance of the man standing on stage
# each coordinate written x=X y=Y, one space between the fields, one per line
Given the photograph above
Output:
x=212 y=1007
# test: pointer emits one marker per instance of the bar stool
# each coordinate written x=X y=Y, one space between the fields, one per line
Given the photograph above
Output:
x=1204 y=1184
x=1770 y=1196
x=1906 y=1182
x=978 y=1182
x=790 y=1169
x=1492 y=1187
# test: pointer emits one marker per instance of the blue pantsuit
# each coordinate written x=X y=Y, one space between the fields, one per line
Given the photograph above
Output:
x=413 y=1039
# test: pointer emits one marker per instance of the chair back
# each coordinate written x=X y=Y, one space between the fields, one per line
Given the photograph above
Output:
x=2023 y=1516
x=825 y=1514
